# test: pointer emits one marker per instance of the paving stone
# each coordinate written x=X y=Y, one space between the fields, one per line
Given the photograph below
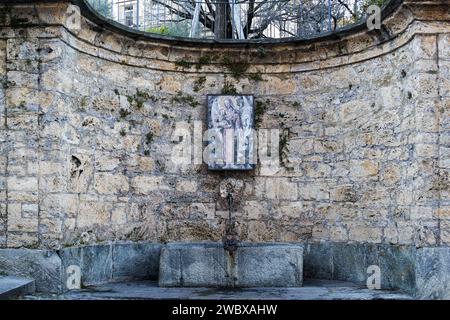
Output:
x=312 y=290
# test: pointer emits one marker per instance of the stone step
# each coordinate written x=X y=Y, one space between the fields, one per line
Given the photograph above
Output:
x=12 y=287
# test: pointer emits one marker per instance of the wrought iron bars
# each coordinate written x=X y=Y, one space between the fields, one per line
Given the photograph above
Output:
x=235 y=19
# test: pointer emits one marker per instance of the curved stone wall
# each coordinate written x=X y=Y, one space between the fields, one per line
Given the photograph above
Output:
x=88 y=115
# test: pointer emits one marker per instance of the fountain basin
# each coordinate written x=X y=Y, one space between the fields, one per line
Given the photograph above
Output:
x=207 y=264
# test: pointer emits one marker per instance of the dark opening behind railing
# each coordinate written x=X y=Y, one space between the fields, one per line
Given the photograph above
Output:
x=236 y=19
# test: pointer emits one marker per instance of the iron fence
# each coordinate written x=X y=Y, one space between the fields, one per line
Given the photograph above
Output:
x=235 y=19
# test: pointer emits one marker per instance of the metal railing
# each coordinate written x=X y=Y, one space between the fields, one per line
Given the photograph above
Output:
x=235 y=19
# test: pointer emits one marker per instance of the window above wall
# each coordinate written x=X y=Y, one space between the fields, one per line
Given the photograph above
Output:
x=129 y=15
x=238 y=19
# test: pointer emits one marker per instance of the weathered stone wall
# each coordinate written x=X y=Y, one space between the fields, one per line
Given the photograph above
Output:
x=88 y=114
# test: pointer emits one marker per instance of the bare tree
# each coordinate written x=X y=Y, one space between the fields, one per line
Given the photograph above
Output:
x=251 y=19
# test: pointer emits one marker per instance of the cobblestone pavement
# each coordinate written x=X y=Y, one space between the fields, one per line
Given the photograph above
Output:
x=312 y=290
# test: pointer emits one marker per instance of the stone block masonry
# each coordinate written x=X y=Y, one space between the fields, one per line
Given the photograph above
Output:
x=88 y=116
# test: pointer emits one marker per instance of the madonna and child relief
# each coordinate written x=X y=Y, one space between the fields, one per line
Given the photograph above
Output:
x=230 y=121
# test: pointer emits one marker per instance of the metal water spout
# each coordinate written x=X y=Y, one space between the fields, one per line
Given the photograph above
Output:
x=230 y=239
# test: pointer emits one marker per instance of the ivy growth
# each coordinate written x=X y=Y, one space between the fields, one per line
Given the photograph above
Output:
x=228 y=88
x=84 y=102
x=124 y=113
x=183 y=64
x=6 y=84
x=260 y=109
x=149 y=138
x=255 y=77
x=199 y=84
x=138 y=99
x=160 y=166
x=236 y=68
x=18 y=22
x=261 y=52
x=202 y=61
x=185 y=99
x=4 y=12
x=284 y=147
